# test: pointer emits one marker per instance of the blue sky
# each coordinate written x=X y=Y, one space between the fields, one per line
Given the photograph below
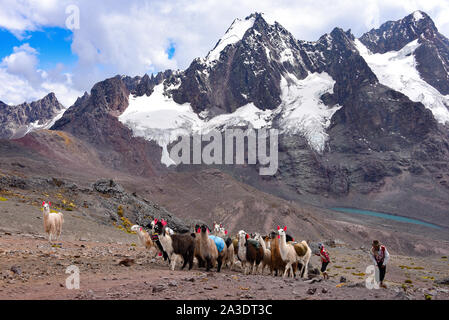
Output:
x=52 y=43
x=39 y=53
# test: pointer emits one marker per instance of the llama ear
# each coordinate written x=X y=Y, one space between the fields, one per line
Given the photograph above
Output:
x=164 y=223
x=285 y=228
x=208 y=230
x=155 y=221
x=43 y=203
x=199 y=230
x=279 y=228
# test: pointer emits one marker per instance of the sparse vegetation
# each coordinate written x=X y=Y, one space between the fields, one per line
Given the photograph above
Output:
x=125 y=223
x=120 y=211
x=410 y=268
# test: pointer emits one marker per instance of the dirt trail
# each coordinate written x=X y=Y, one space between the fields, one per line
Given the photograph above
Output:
x=32 y=268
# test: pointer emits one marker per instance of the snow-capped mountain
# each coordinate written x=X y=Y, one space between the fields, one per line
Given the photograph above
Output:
x=353 y=114
x=254 y=64
x=432 y=55
x=17 y=121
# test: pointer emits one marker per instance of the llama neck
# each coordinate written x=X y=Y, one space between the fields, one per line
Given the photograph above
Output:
x=242 y=249
x=204 y=238
x=46 y=213
x=166 y=242
x=262 y=243
x=283 y=246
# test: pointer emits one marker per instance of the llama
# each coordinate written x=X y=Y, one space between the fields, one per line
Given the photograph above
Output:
x=52 y=222
x=235 y=243
x=222 y=250
x=266 y=262
x=197 y=252
x=156 y=226
x=218 y=229
x=229 y=259
x=178 y=245
x=207 y=248
x=250 y=252
x=278 y=265
x=221 y=232
x=304 y=253
x=144 y=238
x=287 y=251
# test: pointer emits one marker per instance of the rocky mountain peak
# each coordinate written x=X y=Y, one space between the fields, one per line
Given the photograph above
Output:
x=18 y=120
x=393 y=35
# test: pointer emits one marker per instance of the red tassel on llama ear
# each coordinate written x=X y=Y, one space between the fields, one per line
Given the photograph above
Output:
x=208 y=230
x=285 y=228
x=199 y=230
x=155 y=221
x=49 y=203
x=247 y=236
x=43 y=203
x=226 y=232
x=164 y=223
x=279 y=236
x=279 y=228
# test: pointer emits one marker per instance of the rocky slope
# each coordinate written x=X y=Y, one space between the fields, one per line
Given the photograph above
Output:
x=349 y=136
x=31 y=268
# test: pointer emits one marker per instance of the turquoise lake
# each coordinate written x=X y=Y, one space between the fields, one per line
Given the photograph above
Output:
x=386 y=216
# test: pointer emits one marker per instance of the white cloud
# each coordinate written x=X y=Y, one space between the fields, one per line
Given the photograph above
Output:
x=131 y=37
x=22 y=81
x=23 y=62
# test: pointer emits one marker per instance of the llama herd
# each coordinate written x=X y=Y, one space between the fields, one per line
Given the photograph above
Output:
x=276 y=251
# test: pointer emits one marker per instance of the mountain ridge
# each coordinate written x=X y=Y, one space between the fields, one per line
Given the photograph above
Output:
x=371 y=136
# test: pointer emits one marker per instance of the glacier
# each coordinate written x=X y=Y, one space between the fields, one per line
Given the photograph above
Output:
x=397 y=70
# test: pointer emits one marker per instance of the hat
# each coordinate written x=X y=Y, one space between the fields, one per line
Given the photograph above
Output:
x=375 y=243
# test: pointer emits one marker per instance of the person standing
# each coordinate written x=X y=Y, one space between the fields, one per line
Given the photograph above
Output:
x=324 y=255
x=380 y=256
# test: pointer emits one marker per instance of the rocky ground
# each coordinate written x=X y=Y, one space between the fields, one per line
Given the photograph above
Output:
x=32 y=268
